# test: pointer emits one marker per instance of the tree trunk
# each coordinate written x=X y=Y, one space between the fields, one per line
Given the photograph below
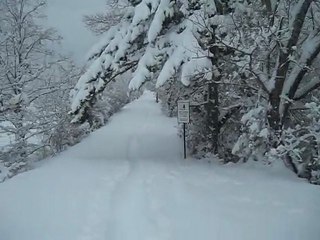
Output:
x=268 y=5
x=20 y=139
x=274 y=117
x=212 y=108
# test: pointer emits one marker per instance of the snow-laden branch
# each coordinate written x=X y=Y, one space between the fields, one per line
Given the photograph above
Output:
x=157 y=35
x=310 y=50
x=307 y=88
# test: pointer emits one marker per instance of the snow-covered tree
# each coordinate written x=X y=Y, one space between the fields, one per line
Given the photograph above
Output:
x=164 y=40
x=35 y=83
x=301 y=144
x=155 y=39
x=284 y=38
x=24 y=64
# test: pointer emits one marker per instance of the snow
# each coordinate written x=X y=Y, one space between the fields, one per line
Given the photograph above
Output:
x=185 y=49
x=193 y=67
x=127 y=181
x=142 y=72
x=98 y=48
x=253 y=113
x=164 y=10
x=142 y=12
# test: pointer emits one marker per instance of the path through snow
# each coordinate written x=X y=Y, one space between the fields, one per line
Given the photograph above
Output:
x=126 y=182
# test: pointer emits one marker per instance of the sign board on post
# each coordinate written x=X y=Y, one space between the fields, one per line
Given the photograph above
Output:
x=183 y=111
x=184 y=117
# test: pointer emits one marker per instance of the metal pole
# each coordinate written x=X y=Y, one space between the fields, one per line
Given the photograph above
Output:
x=184 y=141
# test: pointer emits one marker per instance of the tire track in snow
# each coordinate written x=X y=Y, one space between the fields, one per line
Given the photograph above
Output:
x=121 y=199
x=130 y=217
x=133 y=217
x=95 y=225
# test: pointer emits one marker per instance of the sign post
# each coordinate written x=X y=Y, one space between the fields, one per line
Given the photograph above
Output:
x=184 y=117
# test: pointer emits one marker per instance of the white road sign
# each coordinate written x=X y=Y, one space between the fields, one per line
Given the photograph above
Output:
x=183 y=111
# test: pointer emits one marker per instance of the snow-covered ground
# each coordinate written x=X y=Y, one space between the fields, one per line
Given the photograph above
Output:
x=127 y=181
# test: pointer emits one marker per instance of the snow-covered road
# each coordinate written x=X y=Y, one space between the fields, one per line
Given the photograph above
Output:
x=127 y=181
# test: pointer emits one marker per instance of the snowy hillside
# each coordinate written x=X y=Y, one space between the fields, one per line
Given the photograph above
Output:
x=127 y=181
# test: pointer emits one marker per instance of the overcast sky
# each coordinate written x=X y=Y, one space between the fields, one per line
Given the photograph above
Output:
x=66 y=17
